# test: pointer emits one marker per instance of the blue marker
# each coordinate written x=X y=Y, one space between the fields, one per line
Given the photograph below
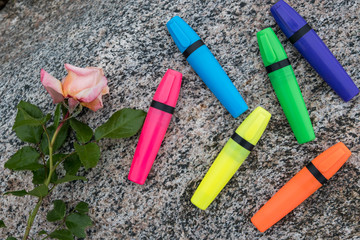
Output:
x=206 y=66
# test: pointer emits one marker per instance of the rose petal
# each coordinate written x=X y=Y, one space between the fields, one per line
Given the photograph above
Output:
x=83 y=71
x=94 y=105
x=79 y=79
x=72 y=104
x=52 y=86
x=90 y=94
x=105 y=90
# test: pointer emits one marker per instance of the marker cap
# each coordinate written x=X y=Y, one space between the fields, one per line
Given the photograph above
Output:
x=331 y=160
x=182 y=33
x=169 y=88
x=254 y=125
x=287 y=18
x=271 y=50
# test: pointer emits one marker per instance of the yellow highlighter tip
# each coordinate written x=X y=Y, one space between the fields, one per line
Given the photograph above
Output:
x=254 y=125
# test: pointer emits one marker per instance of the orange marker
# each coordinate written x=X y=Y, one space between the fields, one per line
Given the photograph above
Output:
x=301 y=186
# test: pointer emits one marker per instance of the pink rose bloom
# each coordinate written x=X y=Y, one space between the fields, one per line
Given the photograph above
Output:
x=82 y=85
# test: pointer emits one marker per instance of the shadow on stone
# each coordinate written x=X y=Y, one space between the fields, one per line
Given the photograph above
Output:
x=3 y=3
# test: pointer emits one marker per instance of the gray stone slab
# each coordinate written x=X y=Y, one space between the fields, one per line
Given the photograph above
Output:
x=130 y=41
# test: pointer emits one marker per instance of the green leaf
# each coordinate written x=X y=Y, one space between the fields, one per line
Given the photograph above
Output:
x=39 y=176
x=124 y=123
x=57 y=115
x=54 y=177
x=29 y=114
x=24 y=159
x=31 y=109
x=2 y=224
x=11 y=238
x=40 y=191
x=82 y=207
x=17 y=193
x=77 y=222
x=60 y=139
x=62 y=234
x=72 y=164
x=42 y=232
x=44 y=144
x=69 y=178
x=28 y=120
x=89 y=154
x=83 y=131
x=58 y=212
x=64 y=110
x=56 y=157
x=31 y=134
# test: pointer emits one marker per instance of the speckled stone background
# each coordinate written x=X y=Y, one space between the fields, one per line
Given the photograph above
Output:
x=130 y=41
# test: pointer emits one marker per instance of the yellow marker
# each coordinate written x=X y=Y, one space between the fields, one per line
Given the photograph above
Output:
x=231 y=157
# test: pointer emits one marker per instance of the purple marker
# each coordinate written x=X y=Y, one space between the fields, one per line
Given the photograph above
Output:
x=314 y=50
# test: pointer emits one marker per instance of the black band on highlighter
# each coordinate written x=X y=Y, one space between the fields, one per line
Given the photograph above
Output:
x=299 y=33
x=163 y=107
x=278 y=65
x=316 y=173
x=242 y=142
x=192 y=48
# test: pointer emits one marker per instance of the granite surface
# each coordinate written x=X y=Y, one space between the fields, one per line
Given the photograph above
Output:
x=130 y=41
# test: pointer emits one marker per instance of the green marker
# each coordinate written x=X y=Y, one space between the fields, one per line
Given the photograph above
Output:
x=284 y=82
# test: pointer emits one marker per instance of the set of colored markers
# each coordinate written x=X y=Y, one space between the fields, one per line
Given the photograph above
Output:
x=238 y=147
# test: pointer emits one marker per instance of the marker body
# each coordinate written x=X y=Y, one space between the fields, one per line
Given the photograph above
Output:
x=215 y=78
x=324 y=62
x=231 y=157
x=288 y=92
x=151 y=137
x=314 y=50
x=221 y=171
x=284 y=82
x=301 y=186
x=156 y=123
x=286 y=199
x=207 y=67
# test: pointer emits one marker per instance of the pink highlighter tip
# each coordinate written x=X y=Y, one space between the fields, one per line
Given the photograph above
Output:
x=169 y=88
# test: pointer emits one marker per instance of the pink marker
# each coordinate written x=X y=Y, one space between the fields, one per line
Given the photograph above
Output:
x=155 y=126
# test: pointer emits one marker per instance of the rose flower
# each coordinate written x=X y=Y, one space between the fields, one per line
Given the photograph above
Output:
x=82 y=85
